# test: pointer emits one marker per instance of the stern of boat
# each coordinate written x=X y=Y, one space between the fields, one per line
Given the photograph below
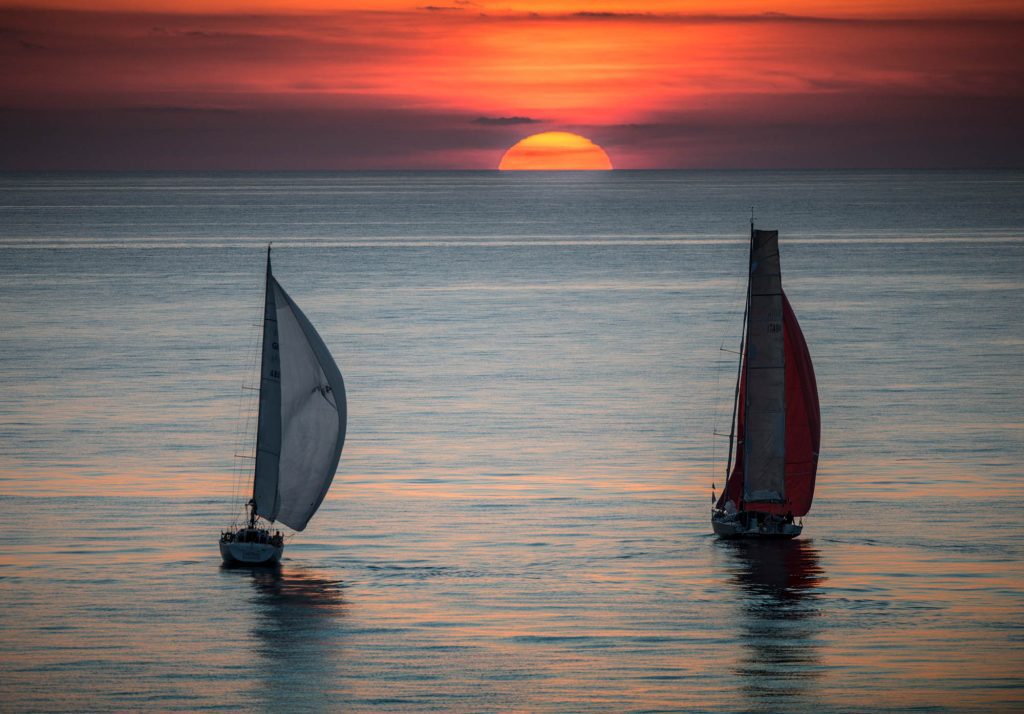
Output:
x=251 y=547
x=733 y=526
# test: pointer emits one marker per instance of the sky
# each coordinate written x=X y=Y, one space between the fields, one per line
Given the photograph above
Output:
x=452 y=84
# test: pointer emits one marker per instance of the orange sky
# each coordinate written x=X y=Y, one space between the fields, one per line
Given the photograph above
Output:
x=453 y=83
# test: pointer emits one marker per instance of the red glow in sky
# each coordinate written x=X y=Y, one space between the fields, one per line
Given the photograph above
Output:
x=318 y=84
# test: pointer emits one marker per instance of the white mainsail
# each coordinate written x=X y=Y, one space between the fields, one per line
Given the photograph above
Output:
x=302 y=414
x=764 y=443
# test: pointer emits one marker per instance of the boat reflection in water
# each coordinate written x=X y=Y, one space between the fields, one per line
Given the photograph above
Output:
x=298 y=632
x=778 y=620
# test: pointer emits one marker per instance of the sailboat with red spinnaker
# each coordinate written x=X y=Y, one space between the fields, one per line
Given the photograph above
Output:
x=776 y=425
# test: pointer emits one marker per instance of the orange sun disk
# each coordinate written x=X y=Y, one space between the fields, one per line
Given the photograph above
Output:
x=555 y=151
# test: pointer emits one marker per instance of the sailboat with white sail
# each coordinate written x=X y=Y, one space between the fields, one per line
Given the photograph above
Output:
x=300 y=430
x=776 y=425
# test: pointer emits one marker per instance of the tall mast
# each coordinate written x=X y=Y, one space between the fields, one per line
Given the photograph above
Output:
x=263 y=366
x=739 y=367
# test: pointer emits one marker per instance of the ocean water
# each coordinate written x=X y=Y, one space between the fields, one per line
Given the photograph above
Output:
x=537 y=365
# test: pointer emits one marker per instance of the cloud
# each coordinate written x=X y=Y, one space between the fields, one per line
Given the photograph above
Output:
x=404 y=87
x=172 y=109
x=774 y=18
x=864 y=130
x=505 y=121
x=171 y=137
x=617 y=15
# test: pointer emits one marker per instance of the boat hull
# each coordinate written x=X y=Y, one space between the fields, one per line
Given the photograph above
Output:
x=251 y=546
x=250 y=553
x=733 y=527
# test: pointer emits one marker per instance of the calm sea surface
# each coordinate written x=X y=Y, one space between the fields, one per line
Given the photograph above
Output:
x=536 y=371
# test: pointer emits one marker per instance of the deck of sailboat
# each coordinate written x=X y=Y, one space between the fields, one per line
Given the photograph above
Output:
x=733 y=528
x=251 y=546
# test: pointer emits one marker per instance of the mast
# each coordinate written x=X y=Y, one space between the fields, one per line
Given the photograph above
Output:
x=263 y=366
x=743 y=341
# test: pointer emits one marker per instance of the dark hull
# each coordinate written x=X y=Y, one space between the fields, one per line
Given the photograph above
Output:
x=251 y=546
x=733 y=527
x=250 y=553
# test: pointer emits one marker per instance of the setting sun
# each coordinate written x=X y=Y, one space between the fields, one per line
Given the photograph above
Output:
x=555 y=151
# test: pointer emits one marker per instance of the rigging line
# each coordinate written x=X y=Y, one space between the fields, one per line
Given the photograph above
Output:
x=241 y=427
x=736 y=284
x=739 y=366
x=244 y=434
x=736 y=393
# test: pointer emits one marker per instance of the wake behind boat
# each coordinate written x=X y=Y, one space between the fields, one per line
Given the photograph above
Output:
x=300 y=430
x=776 y=423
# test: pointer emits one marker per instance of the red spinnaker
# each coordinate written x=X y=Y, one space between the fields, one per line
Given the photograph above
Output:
x=803 y=428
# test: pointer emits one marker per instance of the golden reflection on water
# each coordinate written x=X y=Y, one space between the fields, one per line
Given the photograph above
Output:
x=297 y=654
x=777 y=612
x=189 y=478
x=521 y=514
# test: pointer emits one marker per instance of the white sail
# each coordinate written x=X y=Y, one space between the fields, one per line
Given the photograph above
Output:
x=765 y=392
x=302 y=416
